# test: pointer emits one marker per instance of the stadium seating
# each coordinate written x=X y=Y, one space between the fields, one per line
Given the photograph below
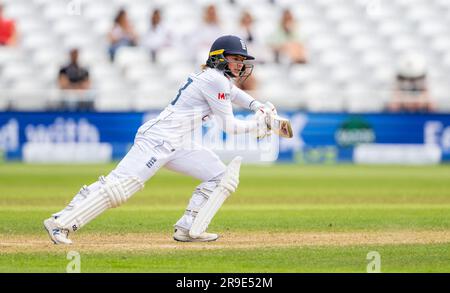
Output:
x=352 y=46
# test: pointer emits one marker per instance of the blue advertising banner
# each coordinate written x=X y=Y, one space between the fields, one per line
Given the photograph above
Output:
x=328 y=138
x=20 y=130
x=318 y=137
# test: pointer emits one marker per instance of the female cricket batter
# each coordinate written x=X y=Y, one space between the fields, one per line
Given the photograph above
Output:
x=160 y=142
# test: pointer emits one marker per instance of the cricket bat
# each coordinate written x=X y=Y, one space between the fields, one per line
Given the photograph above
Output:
x=281 y=126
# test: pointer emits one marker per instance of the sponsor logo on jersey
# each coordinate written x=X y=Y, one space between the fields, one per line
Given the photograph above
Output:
x=223 y=96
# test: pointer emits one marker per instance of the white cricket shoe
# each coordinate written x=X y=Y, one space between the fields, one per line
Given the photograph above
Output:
x=182 y=235
x=57 y=235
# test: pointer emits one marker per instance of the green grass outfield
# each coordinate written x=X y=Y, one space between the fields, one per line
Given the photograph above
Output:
x=283 y=218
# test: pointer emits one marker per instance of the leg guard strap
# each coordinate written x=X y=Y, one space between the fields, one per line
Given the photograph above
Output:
x=201 y=194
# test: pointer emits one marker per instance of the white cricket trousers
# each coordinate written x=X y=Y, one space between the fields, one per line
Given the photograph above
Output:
x=147 y=156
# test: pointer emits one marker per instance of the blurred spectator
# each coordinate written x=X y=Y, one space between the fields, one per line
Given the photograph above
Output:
x=158 y=36
x=247 y=32
x=252 y=37
x=8 y=34
x=411 y=90
x=285 y=41
x=122 y=34
x=74 y=79
x=209 y=30
x=72 y=76
x=246 y=29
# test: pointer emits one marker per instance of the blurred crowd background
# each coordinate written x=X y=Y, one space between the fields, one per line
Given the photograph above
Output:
x=314 y=55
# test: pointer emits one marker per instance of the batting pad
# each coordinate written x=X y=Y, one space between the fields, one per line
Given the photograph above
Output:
x=227 y=185
x=111 y=194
